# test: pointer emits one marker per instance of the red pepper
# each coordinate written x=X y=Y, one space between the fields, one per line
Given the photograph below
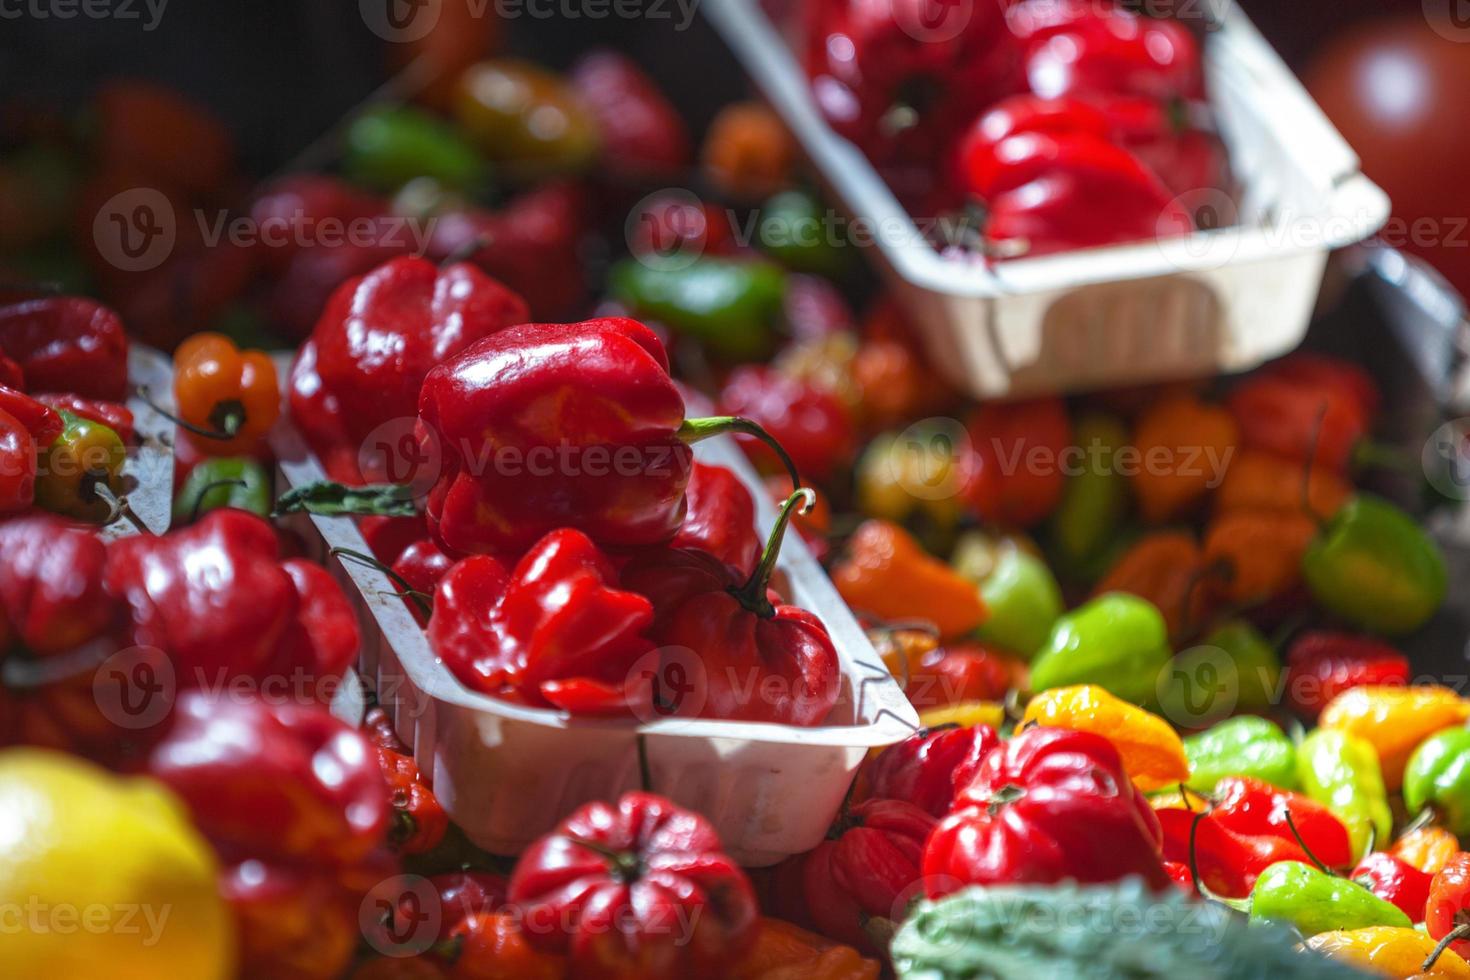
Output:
x=557 y=630
x=639 y=889
x=868 y=866
x=930 y=766
x=1002 y=487
x=1394 y=881
x=461 y=894
x=1447 y=912
x=1180 y=875
x=1117 y=52
x=290 y=921
x=217 y=599
x=67 y=343
x=641 y=134
x=761 y=660
x=17 y=465
x=1228 y=861
x=676 y=223
x=39 y=418
x=1321 y=664
x=1298 y=420
x=1050 y=804
x=115 y=415
x=379 y=336
x=965 y=671
x=11 y=376
x=1255 y=808
x=388 y=537
x=811 y=423
x=421 y=566
x=293 y=212
x=51 y=593
x=419 y=821
x=587 y=431
x=720 y=518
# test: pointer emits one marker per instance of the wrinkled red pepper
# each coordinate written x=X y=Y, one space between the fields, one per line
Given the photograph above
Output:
x=114 y=415
x=51 y=593
x=1228 y=861
x=930 y=766
x=762 y=660
x=17 y=465
x=1255 y=808
x=720 y=518
x=640 y=888
x=557 y=630
x=39 y=418
x=67 y=343
x=1321 y=664
x=1395 y=882
x=1050 y=804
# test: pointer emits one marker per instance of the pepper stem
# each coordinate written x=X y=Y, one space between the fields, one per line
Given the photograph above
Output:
x=1291 y=825
x=337 y=499
x=119 y=506
x=752 y=594
x=206 y=490
x=421 y=600
x=694 y=430
x=227 y=417
x=625 y=864
x=1423 y=819
x=1457 y=933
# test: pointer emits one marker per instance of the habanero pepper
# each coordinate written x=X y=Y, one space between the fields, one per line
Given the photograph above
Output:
x=1049 y=804
x=1251 y=807
x=494 y=946
x=1151 y=750
x=1321 y=664
x=1438 y=778
x=1243 y=746
x=784 y=951
x=419 y=821
x=1188 y=445
x=1168 y=569
x=1262 y=481
x=1024 y=602
x=886 y=573
x=1116 y=641
x=224 y=481
x=17 y=465
x=914 y=479
x=1386 y=951
x=1313 y=901
x=1233 y=668
x=419 y=569
x=387 y=146
x=114 y=415
x=1426 y=848
x=929 y=767
x=524 y=118
x=1447 y=913
x=1259 y=554
x=1394 y=881
x=38 y=417
x=730 y=305
x=961 y=672
x=1395 y=720
x=1005 y=486
x=51 y=593
x=809 y=421
x=1228 y=862
x=226 y=396
x=761 y=660
x=640 y=134
x=1341 y=771
x=80 y=475
x=606 y=886
x=719 y=518
x=1298 y=420
x=67 y=343
x=1094 y=498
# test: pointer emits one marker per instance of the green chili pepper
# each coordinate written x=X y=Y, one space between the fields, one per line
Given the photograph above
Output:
x=86 y=457
x=225 y=481
x=1342 y=771
x=1024 y=601
x=728 y=304
x=1094 y=500
x=794 y=231
x=1314 y=901
x=1244 y=746
x=1438 y=776
x=1373 y=565
x=1117 y=641
x=1235 y=668
x=388 y=146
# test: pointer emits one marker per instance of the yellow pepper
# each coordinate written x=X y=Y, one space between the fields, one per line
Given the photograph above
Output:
x=1152 y=751
x=1394 y=720
x=1390 y=951
x=1428 y=848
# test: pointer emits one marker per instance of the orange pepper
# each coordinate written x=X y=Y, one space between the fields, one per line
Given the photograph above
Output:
x=1427 y=848
x=1260 y=552
x=783 y=951
x=1183 y=446
x=1387 y=951
x=886 y=573
x=1168 y=569
x=902 y=650
x=494 y=947
x=747 y=152
x=1258 y=480
x=1395 y=719
x=224 y=390
x=1152 y=751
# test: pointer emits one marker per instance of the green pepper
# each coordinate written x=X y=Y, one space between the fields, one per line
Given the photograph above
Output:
x=1094 y=500
x=728 y=304
x=1244 y=746
x=1024 y=602
x=1342 y=771
x=388 y=146
x=1234 y=669
x=1374 y=566
x=1438 y=776
x=1314 y=901
x=225 y=481
x=84 y=459
x=794 y=231
x=1117 y=641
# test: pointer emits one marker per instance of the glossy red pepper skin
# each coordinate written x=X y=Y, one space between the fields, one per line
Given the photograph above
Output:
x=720 y=519
x=640 y=133
x=51 y=593
x=544 y=426
x=809 y=422
x=930 y=766
x=115 y=415
x=675 y=223
x=67 y=343
x=422 y=564
x=616 y=907
x=964 y=671
x=1449 y=901
x=378 y=338
x=39 y=419
x=419 y=821
x=1000 y=435
x=1321 y=664
x=217 y=599
x=1254 y=808
x=389 y=537
x=17 y=465
x=556 y=630
x=466 y=893
x=1049 y=804
x=1229 y=862
x=1116 y=52
x=1394 y=881
x=868 y=866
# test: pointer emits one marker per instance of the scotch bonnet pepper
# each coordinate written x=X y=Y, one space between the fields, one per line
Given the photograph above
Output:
x=1438 y=776
x=931 y=765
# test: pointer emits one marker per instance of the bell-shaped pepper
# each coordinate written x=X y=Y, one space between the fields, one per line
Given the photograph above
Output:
x=1341 y=771
x=612 y=883
x=1321 y=664
x=1256 y=809
x=51 y=593
x=17 y=465
x=418 y=569
x=761 y=660
x=1234 y=668
x=1394 y=881
x=930 y=766
x=1438 y=776
x=1374 y=566
x=886 y=573
x=226 y=396
x=556 y=630
x=1243 y=746
x=1151 y=750
x=1395 y=720
x=1050 y=804
x=1314 y=901
x=1447 y=913
x=38 y=416
x=1116 y=641
x=719 y=518
x=67 y=343
x=809 y=421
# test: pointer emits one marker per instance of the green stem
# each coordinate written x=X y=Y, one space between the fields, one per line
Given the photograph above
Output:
x=420 y=600
x=336 y=499
x=213 y=485
x=694 y=430
x=624 y=863
x=752 y=594
x=228 y=416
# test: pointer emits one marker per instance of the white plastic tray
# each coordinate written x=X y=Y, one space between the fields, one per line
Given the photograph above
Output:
x=1222 y=300
x=148 y=472
x=506 y=774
